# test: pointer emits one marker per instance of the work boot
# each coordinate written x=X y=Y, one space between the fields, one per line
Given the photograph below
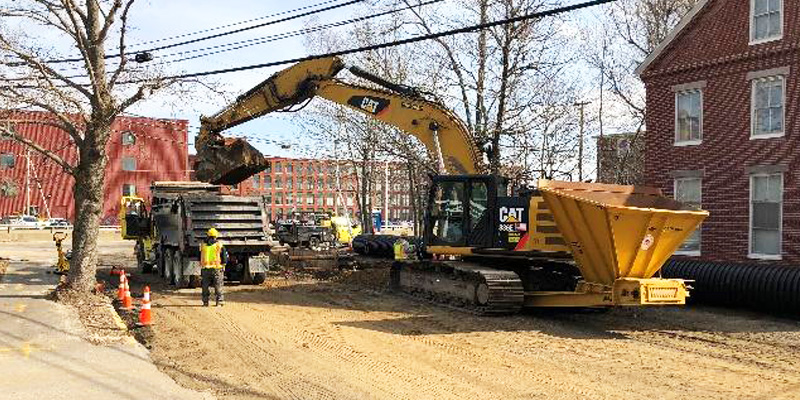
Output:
x=220 y=304
x=205 y=304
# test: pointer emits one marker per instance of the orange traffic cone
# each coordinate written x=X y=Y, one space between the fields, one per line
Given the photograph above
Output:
x=145 y=316
x=127 y=303
x=121 y=289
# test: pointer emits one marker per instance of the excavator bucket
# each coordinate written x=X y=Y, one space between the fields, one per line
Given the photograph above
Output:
x=617 y=231
x=227 y=161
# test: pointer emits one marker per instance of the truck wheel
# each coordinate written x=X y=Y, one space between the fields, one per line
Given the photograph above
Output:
x=169 y=278
x=259 y=278
x=181 y=280
x=195 y=281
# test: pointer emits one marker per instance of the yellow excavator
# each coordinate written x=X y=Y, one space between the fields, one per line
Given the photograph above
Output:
x=489 y=248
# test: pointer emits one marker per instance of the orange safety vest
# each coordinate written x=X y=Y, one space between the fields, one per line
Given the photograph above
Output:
x=211 y=255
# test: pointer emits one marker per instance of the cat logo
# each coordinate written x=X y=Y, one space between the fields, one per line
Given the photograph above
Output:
x=511 y=215
x=372 y=105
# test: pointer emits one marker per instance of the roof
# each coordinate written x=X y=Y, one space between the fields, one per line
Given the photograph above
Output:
x=674 y=33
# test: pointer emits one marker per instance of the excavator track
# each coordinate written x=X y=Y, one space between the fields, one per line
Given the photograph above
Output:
x=467 y=286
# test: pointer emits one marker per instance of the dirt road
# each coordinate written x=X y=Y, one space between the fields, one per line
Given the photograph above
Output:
x=304 y=339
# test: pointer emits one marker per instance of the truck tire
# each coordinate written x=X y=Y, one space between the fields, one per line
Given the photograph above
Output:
x=169 y=278
x=259 y=278
x=181 y=280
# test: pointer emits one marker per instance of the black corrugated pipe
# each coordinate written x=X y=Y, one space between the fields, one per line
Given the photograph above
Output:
x=762 y=287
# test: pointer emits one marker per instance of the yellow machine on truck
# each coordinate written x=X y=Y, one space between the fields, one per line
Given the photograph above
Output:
x=561 y=245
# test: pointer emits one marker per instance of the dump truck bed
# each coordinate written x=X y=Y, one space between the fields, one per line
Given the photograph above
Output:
x=184 y=211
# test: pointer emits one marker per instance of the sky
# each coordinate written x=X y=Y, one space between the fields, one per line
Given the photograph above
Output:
x=155 y=20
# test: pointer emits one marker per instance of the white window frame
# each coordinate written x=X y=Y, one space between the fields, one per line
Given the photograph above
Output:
x=753 y=40
x=693 y=142
x=691 y=253
x=122 y=164
x=128 y=134
x=753 y=84
x=129 y=185
x=758 y=256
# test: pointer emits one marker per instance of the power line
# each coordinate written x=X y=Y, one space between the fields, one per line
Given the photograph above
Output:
x=232 y=24
x=472 y=28
x=200 y=39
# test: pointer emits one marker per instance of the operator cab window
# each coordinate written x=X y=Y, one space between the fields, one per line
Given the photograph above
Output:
x=448 y=212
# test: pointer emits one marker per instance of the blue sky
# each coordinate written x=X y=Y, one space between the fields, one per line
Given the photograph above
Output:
x=152 y=20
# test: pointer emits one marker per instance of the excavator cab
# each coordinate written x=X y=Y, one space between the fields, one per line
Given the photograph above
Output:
x=461 y=210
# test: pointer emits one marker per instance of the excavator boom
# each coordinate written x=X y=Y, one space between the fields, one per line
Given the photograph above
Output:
x=230 y=161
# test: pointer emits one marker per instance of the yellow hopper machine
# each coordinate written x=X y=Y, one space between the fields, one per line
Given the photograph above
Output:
x=619 y=236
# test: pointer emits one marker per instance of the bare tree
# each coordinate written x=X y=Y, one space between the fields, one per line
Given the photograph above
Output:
x=82 y=96
x=627 y=32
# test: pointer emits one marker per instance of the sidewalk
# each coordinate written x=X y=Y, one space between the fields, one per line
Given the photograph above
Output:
x=42 y=354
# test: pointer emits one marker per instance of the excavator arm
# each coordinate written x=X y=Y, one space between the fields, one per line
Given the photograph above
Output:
x=230 y=161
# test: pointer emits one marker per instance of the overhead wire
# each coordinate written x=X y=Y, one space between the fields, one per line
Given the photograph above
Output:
x=200 y=39
x=451 y=32
x=231 y=24
x=232 y=46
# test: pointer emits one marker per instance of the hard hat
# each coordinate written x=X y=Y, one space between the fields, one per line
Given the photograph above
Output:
x=213 y=232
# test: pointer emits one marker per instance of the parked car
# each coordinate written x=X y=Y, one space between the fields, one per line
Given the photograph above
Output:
x=27 y=221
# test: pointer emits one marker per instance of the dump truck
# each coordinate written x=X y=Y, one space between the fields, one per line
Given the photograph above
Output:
x=168 y=235
x=492 y=248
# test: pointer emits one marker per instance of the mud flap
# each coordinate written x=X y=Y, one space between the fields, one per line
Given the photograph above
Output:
x=259 y=264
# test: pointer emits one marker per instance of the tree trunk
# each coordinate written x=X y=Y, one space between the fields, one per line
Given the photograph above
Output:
x=89 y=178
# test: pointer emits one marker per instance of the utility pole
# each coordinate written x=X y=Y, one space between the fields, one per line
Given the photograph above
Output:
x=580 y=140
x=27 y=182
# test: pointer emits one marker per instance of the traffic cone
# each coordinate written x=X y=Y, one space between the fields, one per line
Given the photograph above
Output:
x=127 y=303
x=121 y=289
x=145 y=316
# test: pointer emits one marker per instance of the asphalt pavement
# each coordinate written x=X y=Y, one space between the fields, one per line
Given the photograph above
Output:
x=42 y=351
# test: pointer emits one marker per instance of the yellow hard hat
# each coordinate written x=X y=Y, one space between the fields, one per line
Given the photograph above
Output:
x=213 y=232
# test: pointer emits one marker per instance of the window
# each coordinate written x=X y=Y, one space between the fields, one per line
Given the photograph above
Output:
x=128 y=138
x=277 y=167
x=447 y=212
x=688 y=117
x=766 y=201
x=7 y=126
x=128 y=164
x=256 y=182
x=766 y=21
x=278 y=183
x=689 y=192
x=128 y=189
x=267 y=182
x=767 y=107
x=310 y=199
x=7 y=161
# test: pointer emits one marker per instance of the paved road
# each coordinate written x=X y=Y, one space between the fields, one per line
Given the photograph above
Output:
x=43 y=355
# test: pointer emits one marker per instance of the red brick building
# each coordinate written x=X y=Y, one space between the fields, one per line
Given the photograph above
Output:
x=141 y=150
x=310 y=185
x=723 y=95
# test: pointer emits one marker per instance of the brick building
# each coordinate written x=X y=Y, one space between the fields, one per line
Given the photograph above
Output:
x=722 y=121
x=140 y=151
x=310 y=185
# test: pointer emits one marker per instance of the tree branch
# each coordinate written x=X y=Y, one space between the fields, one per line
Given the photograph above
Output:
x=47 y=153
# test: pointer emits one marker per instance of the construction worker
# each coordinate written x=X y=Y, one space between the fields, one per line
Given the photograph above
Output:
x=213 y=258
x=402 y=249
